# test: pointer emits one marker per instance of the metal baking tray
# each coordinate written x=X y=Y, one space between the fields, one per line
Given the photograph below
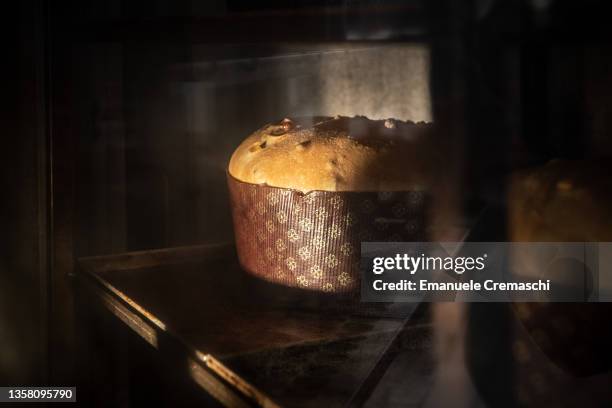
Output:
x=252 y=343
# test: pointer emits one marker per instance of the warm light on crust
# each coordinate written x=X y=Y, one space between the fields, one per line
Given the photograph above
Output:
x=336 y=154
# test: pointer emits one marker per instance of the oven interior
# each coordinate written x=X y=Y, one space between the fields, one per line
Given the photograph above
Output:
x=143 y=104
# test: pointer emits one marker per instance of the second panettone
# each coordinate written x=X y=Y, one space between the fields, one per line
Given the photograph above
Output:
x=564 y=201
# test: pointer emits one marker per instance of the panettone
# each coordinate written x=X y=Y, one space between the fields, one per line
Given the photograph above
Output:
x=306 y=192
x=565 y=201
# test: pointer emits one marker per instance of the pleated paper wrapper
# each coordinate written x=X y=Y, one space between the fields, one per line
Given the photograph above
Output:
x=312 y=240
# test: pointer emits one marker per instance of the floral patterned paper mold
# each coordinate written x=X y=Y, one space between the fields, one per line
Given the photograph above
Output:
x=312 y=241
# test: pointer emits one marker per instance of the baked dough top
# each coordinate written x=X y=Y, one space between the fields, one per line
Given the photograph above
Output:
x=563 y=201
x=336 y=154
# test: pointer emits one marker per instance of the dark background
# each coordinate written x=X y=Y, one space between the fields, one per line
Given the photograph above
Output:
x=99 y=155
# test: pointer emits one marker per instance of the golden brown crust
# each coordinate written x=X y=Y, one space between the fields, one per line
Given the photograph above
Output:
x=335 y=154
x=563 y=201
